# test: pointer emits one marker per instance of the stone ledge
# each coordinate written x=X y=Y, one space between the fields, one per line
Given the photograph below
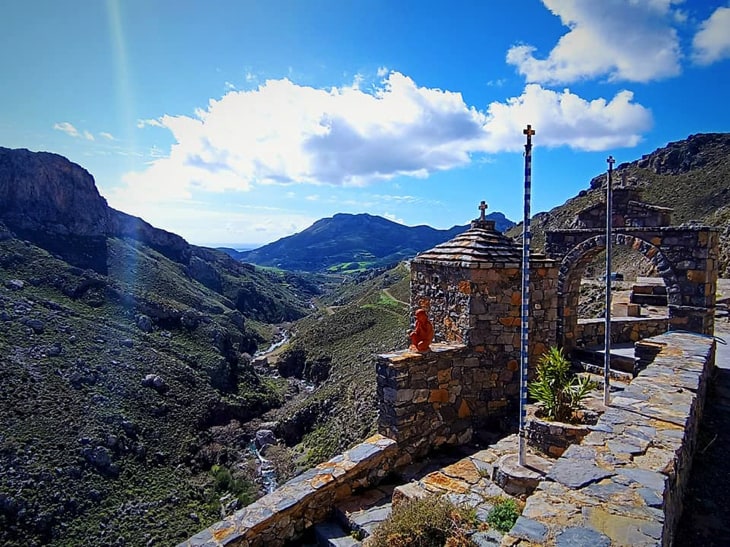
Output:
x=306 y=499
x=624 y=484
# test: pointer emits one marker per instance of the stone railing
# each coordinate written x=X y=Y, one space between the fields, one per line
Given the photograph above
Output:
x=283 y=515
x=590 y=332
x=428 y=400
x=624 y=484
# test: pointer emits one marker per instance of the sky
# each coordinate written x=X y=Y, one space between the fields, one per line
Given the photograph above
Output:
x=238 y=122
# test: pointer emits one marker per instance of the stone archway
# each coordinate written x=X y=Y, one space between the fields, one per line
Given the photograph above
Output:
x=686 y=257
x=573 y=266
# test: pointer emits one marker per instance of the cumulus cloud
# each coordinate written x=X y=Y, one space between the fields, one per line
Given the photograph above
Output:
x=620 y=39
x=712 y=42
x=67 y=128
x=284 y=133
x=563 y=118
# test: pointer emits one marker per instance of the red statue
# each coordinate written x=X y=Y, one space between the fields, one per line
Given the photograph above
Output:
x=422 y=335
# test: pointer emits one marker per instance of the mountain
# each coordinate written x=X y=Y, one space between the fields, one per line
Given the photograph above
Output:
x=692 y=176
x=351 y=242
x=125 y=361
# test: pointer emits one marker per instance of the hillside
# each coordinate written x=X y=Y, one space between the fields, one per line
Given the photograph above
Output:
x=691 y=176
x=333 y=350
x=125 y=360
x=352 y=242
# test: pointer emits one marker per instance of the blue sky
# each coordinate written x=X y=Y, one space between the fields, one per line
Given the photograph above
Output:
x=240 y=122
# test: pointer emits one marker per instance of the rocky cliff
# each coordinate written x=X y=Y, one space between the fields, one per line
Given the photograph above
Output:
x=43 y=193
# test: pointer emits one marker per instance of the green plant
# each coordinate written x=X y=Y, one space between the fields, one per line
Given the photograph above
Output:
x=428 y=522
x=504 y=514
x=556 y=388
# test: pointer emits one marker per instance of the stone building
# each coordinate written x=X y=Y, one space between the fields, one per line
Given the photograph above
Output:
x=471 y=288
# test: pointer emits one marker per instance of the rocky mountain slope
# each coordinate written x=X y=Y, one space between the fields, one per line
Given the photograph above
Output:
x=348 y=242
x=125 y=355
x=692 y=176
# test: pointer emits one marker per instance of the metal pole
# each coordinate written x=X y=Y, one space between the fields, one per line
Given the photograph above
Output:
x=525 y=311
x=607 y=337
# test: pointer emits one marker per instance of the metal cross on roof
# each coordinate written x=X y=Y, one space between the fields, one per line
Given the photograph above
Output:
x=483 y=207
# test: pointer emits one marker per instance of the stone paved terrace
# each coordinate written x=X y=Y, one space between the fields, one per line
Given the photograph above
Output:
x=624 y=484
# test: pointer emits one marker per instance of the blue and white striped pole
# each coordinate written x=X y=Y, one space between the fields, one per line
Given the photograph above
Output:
x=525 y=314
x=607 y=315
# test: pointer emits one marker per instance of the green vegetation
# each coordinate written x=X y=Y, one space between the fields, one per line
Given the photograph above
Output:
x=225 y=483
x=427 y=522
x=558 y=390
x=504 y=514
x=90 y=451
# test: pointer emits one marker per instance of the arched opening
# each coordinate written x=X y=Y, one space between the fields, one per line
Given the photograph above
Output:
x=581 y=273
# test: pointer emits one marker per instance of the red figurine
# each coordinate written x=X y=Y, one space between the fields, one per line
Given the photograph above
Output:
x=422 y=335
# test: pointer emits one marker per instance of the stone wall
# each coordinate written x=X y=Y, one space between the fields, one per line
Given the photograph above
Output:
x=591 y=332
x=427 y=400
x=625 y=483
x=283 y=515
x=480 y=306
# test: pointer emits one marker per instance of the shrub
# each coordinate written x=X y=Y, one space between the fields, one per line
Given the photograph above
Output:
x=428 y=522
x=556 y=388
x=504 y=514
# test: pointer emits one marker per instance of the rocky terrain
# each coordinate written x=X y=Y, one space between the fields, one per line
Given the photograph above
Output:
x=125 y=355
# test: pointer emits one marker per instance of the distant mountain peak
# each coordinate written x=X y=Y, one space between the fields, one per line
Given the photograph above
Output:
x=357 y=240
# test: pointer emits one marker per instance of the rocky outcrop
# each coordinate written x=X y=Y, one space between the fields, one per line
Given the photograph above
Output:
x=693 y=153
x=44 y=193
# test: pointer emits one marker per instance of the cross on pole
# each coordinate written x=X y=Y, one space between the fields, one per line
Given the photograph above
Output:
x=525 y=308
x=529 y=131
x=482 y=208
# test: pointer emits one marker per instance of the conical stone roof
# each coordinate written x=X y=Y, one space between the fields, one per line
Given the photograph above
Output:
x=481 y=246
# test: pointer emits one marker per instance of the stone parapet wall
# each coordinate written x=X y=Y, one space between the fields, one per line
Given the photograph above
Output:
x=591 y=332
x=283 y=515
x=624 y=484
x=428 y=400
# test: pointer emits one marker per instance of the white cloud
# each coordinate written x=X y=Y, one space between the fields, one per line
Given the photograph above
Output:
x=284 y=133
x=621 y=39
x=88 y=136
x=211 y=224
x=563 y=118
x=141 y=124
x=107 y=136
x=712 y=42
x=67 y=128
x=393 y=217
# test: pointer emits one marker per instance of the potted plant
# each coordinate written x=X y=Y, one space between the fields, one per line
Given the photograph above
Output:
x=557 y=422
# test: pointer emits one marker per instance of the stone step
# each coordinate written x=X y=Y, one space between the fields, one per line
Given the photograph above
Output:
x=622 y=359
x=332 y=534
x=595 y=372
x=363 y=512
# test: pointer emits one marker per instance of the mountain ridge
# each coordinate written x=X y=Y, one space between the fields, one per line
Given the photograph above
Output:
x=354 y=240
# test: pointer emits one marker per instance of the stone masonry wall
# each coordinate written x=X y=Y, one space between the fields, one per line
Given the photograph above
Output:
x=283 y=515
x=428 y=400
x=591 y=332
x=480 y=307
x=686 y=257
x=624 y=484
